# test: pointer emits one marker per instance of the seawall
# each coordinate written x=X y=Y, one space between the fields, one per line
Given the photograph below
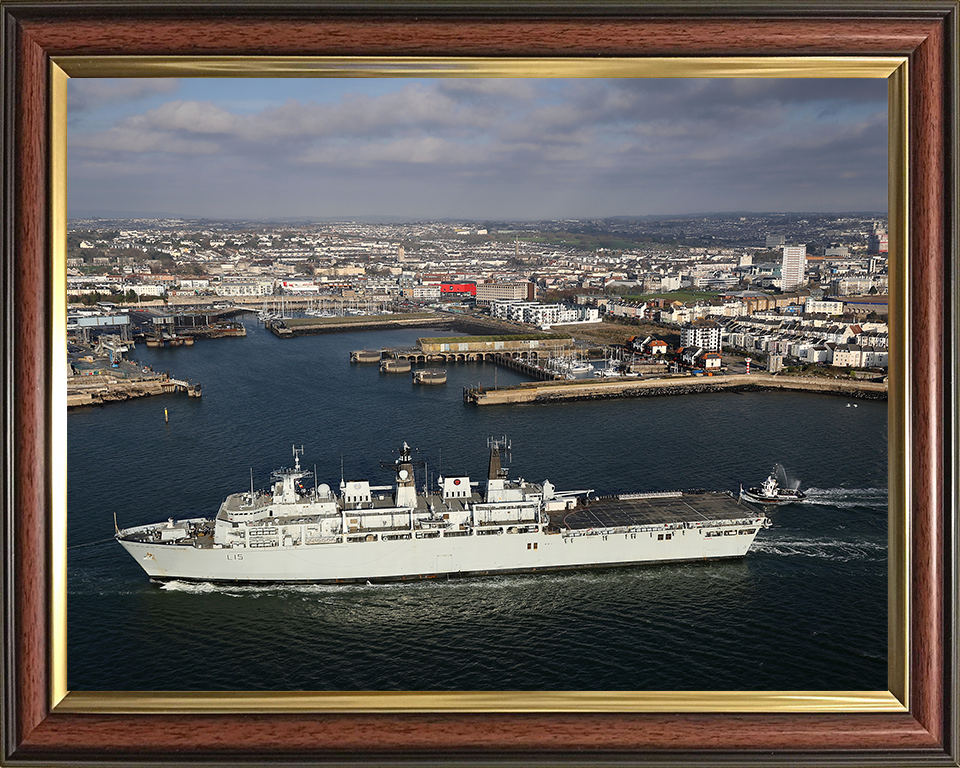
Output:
x=288 y=329
x=586 y=389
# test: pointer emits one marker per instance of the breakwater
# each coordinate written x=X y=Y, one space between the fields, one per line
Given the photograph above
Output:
x=587 y=389
x=307 y=326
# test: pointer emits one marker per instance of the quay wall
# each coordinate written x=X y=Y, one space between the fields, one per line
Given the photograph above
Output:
x=585 y=389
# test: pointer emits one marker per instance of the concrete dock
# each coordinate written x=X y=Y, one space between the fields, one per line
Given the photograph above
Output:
x=98 y=390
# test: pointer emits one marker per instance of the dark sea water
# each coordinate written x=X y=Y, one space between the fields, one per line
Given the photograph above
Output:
x=805 y=610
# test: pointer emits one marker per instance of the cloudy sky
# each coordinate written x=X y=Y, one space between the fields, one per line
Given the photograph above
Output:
x=474 y=148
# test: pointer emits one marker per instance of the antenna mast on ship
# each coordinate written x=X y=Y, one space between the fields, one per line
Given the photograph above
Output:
x=495 y=444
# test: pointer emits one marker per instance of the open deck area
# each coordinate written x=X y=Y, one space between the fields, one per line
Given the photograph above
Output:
x=686 y=508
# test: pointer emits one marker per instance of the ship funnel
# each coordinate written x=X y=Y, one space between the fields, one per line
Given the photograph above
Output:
x=496 y=474
x=493 y=471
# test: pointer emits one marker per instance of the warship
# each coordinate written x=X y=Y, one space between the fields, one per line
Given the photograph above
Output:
x=293 y=532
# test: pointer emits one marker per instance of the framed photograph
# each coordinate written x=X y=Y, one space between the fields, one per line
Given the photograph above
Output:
x=910 y=46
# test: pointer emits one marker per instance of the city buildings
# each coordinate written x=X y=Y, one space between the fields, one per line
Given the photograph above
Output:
x=677 y=271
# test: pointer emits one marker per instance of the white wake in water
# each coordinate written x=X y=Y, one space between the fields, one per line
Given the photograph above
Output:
x=823 y=549
x=506 y=581
x=848 y=498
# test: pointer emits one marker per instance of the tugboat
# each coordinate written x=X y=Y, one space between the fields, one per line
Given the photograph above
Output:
x=770 y=491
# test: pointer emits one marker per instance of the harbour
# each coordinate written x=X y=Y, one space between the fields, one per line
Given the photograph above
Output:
x=812 y=592
x=544 y=357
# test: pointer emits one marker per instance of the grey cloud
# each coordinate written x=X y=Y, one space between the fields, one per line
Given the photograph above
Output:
x=492 y=90
x=84 y=95
x=616 y=147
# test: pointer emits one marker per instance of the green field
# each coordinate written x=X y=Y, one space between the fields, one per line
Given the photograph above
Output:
x=505 y=337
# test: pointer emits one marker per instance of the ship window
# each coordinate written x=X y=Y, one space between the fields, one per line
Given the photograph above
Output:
x=535 y=545
x=669 y=536
x=659 y=537
x=529 y=545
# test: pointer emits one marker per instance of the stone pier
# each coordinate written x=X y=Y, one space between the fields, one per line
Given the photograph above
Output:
x=598 y=389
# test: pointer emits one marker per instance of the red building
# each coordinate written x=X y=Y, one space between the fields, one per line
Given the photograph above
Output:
x=456 y=290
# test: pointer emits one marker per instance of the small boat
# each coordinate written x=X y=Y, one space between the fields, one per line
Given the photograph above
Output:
x=770 y=491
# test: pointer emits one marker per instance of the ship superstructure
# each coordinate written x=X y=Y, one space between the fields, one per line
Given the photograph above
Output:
x=292 y=532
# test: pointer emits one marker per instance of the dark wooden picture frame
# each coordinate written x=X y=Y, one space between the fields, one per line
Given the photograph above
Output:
x=925 y=32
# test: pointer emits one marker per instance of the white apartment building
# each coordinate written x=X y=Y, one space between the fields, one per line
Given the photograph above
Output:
x=195 y=283
x=245 y=288
x=793 y=267
x=705 y=336
x=147 y=289
x=817 y=307
x=535 y=313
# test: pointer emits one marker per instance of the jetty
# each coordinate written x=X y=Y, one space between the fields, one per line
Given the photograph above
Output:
x=600 y=389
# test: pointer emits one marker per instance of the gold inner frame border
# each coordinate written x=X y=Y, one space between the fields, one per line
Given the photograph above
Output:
x=895 y=699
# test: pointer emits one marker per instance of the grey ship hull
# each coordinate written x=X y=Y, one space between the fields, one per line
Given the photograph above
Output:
x=391 y=533
x=414 y=555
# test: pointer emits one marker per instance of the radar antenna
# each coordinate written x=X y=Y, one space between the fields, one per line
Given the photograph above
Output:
x=406 y=457
x=500 y=444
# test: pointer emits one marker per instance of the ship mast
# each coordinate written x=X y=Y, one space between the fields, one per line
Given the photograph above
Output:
x=406 y=486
